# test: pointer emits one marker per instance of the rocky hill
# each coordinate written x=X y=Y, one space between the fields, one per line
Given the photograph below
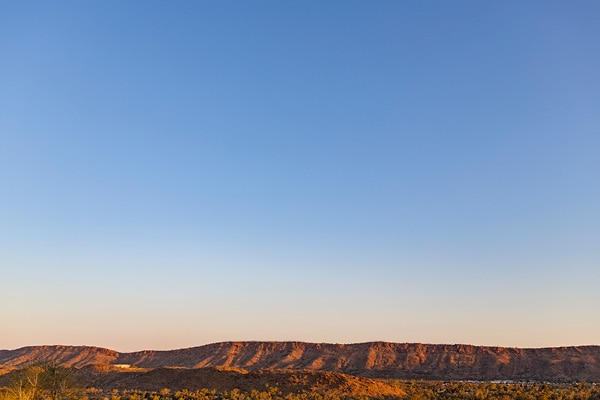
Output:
x=372 y=360
x=225 y=380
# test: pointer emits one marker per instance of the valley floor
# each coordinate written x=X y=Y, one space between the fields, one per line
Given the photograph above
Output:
x=414 y=390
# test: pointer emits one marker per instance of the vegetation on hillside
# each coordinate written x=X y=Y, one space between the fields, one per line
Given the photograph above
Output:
x=51 y=382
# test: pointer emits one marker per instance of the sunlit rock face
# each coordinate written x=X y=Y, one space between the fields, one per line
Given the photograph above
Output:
x=372 y=359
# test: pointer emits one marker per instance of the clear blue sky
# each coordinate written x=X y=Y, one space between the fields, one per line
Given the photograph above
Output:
x=179 y=173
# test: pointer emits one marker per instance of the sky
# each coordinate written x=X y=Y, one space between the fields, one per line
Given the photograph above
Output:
x=180 y=173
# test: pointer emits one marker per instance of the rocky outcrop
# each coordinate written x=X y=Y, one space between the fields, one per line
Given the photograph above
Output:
x=69 y=356
x=373 y=359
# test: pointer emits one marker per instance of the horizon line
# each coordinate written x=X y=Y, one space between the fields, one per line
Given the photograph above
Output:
x=303 y=342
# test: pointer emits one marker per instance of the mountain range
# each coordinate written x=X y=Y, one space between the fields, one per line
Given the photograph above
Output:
x=370 y=360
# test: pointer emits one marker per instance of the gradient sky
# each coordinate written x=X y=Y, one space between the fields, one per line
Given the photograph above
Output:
x=179 y=173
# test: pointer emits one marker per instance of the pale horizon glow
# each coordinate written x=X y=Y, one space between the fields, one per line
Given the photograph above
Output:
x=178 y=174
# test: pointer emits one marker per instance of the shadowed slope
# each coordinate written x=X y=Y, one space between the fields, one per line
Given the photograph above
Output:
x=221 y=380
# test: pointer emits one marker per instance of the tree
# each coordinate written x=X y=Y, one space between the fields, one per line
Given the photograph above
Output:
x=41 y=382
x=24 y=385
x=57 y=382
